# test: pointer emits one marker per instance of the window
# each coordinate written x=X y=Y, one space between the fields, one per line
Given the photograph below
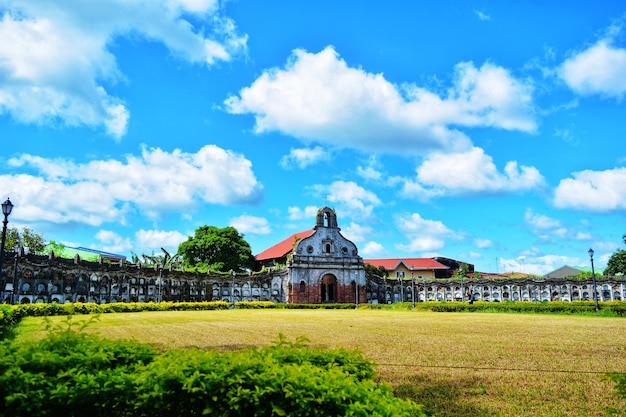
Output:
x=302 y=286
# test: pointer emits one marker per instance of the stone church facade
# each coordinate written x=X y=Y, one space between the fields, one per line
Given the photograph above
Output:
x=325 y=267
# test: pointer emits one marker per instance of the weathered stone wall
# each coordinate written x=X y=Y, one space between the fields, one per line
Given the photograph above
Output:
x=39 y=279
x=35 y=279
x=554 y=289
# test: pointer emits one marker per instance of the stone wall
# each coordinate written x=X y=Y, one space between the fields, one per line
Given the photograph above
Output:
x=47 y=279
x=36 y=279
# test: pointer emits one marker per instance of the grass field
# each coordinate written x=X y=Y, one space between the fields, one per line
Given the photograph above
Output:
x=458 y=364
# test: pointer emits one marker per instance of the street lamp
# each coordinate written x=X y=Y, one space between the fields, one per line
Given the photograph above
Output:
x=232 y=292
x=356 y=289
x=7 y=206
x=593 y=275
x=412 y=288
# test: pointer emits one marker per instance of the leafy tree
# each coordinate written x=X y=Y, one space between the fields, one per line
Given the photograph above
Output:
x=33 y=242
x=217 y=249
x=378 y=271
x=617 y=262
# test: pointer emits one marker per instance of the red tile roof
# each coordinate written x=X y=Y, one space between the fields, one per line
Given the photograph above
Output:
x=284 y=247
x=410 y=263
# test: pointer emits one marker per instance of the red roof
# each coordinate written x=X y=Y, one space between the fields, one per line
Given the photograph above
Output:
x=284 y=247
x=413 y=264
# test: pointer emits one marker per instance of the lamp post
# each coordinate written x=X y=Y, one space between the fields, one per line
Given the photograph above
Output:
x=232 y=291
x=7 y=206
x=356 y=289
x=412 y=288
x=593 y=275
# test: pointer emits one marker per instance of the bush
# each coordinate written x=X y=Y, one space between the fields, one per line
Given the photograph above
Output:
x=70 y=373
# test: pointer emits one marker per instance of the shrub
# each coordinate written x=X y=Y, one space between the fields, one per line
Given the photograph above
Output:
x=70 y=373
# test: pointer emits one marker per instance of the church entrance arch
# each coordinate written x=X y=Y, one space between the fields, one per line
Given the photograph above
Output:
x=329 y=288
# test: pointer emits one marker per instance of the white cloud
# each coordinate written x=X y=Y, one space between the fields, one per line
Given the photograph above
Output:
x=352 y=200
x=481 y=15
x=112 y=242
x=304 y=157
x=156 y=182
x=373 y=249
x=469 y=172
x=600 y=191
x=371 y=171
x=55 y=57
x=540 y=221
x=599 y=69
x=423 y=234
x=148 y=241
x=251 y=224
x=309 y=212
x=357 y=233
x=319 y=97
x=537 y=265
x=483 y=243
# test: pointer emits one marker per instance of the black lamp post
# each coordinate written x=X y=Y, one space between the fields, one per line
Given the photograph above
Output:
x=356 y=289
x=232 y=295
x=593 y=275
x=412 y=288
x=7 y=206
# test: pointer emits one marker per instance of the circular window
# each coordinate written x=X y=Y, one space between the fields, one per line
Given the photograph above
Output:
x=344 y=250
x=309 y=249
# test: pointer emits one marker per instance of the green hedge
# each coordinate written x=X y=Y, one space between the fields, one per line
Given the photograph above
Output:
x=69 y=373
x=555 y=307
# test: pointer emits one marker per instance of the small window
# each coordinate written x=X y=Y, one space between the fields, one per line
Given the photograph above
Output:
x=302 y=286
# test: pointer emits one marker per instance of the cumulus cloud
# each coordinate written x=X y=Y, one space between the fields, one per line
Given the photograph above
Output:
x=423 y=235
x=357 y=233
x=601 y=191
x=468 y=172
x=251 y=224
x=296 y=213
x=352 y=200
x=373 y=249
x=155 y=182
x=537 y=265
x=304 y=157
x=317 y=96
x=153 y=240
x=112 y=242
x=599 y=69
x=55 y=59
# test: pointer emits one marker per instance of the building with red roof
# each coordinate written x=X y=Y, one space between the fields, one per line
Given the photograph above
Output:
x=277 y=254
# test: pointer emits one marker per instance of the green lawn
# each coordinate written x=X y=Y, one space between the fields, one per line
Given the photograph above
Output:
x=457 y=364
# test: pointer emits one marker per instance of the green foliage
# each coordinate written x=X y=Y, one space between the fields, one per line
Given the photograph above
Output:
x=617 y=262
x=620 y=387
x=34 y=242
x=379 y=271
x=217 y=249
x=71 y=373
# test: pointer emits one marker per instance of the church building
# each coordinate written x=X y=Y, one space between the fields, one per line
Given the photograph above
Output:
x=324 y=266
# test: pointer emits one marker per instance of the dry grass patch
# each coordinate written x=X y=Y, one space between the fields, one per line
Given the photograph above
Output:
x=456 y=364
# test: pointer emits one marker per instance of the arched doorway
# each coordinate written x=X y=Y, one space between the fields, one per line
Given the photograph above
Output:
x=329 y=289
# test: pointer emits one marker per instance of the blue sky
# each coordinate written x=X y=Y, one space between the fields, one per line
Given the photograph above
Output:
x=487 y=131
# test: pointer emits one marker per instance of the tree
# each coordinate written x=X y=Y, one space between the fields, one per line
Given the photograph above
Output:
x=617 y=262
x=217 y=249
x=33 y=242
x=378 y=271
